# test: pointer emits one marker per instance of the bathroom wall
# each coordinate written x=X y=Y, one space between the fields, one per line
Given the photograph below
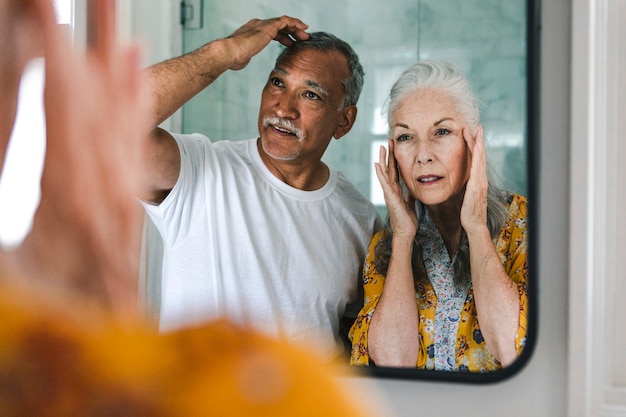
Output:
x=485 y=38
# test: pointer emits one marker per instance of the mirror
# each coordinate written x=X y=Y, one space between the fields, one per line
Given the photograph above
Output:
x=494 y=43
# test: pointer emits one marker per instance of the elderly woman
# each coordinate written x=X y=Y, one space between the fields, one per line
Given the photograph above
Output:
x=445 y=280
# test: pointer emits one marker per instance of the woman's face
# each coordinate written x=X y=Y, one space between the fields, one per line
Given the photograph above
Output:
x=432 y=155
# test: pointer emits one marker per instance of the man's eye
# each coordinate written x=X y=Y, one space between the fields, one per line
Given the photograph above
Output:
x=276 y=81
x=311 y=95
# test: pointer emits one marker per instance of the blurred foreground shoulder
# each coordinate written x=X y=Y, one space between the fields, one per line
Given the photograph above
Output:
x=55 y=364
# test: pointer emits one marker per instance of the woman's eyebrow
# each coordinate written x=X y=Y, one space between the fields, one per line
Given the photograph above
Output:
x=437 y=123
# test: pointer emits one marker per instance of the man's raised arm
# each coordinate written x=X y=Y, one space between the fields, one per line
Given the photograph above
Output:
x=175 y=81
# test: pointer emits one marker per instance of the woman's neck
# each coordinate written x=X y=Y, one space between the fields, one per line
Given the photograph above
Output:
x=447 y=219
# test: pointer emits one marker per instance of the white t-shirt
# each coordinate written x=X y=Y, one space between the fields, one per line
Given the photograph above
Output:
x=240 y=243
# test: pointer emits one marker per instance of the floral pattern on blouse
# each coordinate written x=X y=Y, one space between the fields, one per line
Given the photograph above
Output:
x=470 y=351
x=449 y=298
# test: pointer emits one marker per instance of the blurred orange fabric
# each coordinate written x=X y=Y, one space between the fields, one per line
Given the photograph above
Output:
x=68 y=359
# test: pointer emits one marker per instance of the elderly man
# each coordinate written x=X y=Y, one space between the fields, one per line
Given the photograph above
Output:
x=261 y=230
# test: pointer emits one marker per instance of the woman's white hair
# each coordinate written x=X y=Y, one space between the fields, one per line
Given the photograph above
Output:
x=441 y=76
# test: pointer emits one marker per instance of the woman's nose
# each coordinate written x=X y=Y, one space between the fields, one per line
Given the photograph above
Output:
x=424 y=155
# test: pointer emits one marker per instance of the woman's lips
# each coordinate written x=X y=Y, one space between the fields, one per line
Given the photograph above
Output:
x=428 y=179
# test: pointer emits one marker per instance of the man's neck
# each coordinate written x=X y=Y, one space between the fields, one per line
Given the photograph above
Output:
x=305 y=177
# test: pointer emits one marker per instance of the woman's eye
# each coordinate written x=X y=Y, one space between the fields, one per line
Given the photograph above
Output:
x=442 y=132
x=402 y=138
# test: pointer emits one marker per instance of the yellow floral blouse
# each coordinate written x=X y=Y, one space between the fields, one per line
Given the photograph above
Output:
x=471 y=352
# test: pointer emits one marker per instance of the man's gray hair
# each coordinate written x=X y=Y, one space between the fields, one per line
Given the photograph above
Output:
x=323 y=41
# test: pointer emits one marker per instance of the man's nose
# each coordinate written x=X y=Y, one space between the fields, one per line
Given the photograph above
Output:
x=286 y=107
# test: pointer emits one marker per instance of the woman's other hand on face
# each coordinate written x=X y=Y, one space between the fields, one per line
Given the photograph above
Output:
x=474 y=208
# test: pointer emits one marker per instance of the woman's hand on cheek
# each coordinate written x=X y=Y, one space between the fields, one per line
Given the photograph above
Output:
x=401 y=207
x=474 y=209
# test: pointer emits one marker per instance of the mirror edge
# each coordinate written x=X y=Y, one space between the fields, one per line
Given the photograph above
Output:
x=533 y=31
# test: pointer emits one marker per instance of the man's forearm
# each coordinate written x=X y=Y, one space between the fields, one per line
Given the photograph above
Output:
x=175 y=81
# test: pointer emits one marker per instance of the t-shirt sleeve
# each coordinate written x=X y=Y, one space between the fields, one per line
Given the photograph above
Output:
x=176 y=214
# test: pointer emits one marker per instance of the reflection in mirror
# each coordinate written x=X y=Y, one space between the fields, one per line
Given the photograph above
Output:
x=437 y=247
x=489 y=44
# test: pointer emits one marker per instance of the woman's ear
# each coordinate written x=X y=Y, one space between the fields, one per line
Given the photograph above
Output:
x=346 y=117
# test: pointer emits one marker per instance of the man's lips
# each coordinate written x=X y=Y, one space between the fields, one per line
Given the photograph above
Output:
x=282 y=127
x=283 y=130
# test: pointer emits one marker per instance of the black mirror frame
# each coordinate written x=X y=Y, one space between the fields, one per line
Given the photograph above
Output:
x=533 y=30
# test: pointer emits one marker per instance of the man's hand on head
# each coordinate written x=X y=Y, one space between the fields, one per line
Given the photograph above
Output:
x=254 y=36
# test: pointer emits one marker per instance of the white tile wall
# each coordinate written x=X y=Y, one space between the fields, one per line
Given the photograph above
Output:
x=485 y=38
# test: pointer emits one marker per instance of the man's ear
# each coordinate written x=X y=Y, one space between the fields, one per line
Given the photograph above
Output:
x=346 y=117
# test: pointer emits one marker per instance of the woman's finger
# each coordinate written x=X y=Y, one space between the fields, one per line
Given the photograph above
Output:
x=383 y=179
x=469 y=140
x=478 y=155
x=480 y=141
x=382 y=156
x=392 y=167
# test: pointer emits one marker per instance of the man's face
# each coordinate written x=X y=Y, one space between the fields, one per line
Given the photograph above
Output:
x=300 y=106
